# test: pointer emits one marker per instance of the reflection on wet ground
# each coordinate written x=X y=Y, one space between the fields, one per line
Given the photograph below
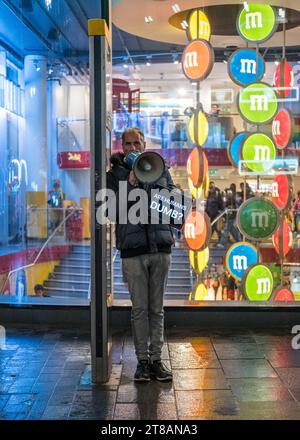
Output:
x=45 y=374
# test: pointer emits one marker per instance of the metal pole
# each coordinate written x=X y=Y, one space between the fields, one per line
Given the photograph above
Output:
x=281 y=254
x=257 y=78
x=100 y=338
x=284 y=40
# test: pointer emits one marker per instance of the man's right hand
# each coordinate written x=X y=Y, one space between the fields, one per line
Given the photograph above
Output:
x=132 y=178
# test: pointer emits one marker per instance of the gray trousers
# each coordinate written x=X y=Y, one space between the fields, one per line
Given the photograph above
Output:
x=147 y=276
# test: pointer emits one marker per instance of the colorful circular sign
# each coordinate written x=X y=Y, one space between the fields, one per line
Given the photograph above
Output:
x=257 y=283
x=284 y=79
x=196 y=192
x=256 y=23
x=198 y=26
x=287 y=239
x=282 y=191
x=282 y=128
x=198 y=60
x=206 y=186
x=282 y=293
x=198 y=128
x=199 y=260
x=258 y=218
x=258 y=103
x=199 y=293
x=234 y=147
x=197 y=230
x=239 y=257
x=259 y=152
x=242 y=67
x=197 y=167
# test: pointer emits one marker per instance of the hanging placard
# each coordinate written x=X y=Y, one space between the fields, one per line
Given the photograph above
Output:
x=197 y=230
x=242 y=67
x=257 y=283
x=258 y=103
x=198 y=60
x=282 y=128
x=258 y=218
x=234 y=147
x=198 y=26
x=256 y=23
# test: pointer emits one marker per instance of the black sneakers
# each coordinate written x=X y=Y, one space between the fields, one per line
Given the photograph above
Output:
x=142 y=373
x=160 y=372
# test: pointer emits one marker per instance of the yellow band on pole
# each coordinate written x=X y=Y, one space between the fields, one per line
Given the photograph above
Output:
x=97 y=27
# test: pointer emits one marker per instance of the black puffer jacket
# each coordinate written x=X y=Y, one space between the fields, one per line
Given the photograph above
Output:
x=138 y=239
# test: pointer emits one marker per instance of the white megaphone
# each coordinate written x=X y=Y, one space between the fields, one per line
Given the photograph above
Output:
x=148 y=167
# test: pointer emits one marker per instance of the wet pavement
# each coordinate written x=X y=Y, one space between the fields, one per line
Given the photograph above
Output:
x=45 y=374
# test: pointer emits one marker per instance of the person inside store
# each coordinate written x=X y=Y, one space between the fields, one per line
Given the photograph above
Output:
x=214 y=206
x=56 y=199
x=145 y=253
x=217 y=288
x=296 y=211
x=249 y=192
x=215 y=110
x=232 y=293
x=39 y=291
x=231 y=204
x=179 y=136
x=164 y=129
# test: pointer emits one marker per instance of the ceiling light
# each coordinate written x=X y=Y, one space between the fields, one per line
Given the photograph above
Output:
x=184 y=24
x=176 y=8
x=246 y=7
x=148 y=19
x=281 y=12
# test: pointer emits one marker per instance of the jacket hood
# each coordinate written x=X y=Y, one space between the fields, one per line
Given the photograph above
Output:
x=118 y=159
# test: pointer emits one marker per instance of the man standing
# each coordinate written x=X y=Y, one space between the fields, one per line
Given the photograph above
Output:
x=231 y=204
x=145 y=252
x=214 y=206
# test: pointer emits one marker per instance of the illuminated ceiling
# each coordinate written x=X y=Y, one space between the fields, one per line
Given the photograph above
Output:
x=132 y=20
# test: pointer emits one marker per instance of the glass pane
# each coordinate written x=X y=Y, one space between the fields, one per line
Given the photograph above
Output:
x=151 y=92
x=45 y=152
